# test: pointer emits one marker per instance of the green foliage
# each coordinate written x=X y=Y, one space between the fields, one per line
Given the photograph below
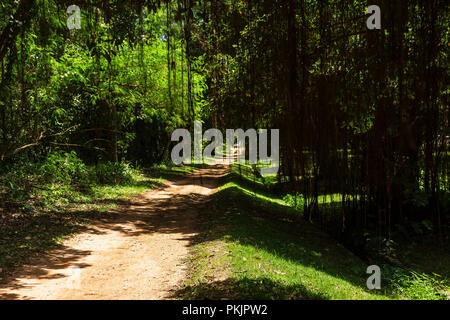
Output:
x=106 y=87
x=64 y=167
x=55 y=196
x=113 y=173
x=63 y=178
x=295 y=201
x=414 y=285
x=417 y=198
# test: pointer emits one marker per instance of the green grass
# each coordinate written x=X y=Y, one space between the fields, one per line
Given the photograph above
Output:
x=164 y=171
x=245 y=172
x=417 y=285
x=255 y=249
x=101 y=197
x=255 y=246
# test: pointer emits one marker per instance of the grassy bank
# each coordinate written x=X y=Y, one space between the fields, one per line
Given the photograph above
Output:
x=255 y=246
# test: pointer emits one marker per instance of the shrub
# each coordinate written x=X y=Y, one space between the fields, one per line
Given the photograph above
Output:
x=414 y=285
x=64 y=167
x=294 y=201
x=113 y=173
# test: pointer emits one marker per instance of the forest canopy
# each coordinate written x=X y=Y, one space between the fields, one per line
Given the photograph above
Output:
x=362 y=113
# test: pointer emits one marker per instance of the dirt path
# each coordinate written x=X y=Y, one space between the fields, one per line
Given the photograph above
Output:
x=137 y=253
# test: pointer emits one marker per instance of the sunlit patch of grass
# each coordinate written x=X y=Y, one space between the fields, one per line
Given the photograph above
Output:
x=415 y=285
x=257 y=195
x=60 y=197
x=246 y=172
x=164 y=171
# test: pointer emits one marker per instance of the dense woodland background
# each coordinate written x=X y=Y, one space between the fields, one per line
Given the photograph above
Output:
x=363 y=114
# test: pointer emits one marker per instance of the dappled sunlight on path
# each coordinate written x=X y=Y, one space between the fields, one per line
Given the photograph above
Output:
x=137 y=252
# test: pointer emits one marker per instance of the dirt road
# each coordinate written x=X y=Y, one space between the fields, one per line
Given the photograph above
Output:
x=137 y=253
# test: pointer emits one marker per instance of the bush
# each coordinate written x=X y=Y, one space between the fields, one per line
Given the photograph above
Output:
x=64 y=167
x=55 y=196
x=414 y=285
x=294 y=201
x=113 y=173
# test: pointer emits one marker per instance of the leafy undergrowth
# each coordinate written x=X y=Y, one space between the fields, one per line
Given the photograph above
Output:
x=167 y=171
x=416 y=285
x=40 y=218
x=256 y=247
x=422 y=271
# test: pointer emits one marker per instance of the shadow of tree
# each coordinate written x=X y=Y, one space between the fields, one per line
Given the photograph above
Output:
x=260 y=288
x=38 y=233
